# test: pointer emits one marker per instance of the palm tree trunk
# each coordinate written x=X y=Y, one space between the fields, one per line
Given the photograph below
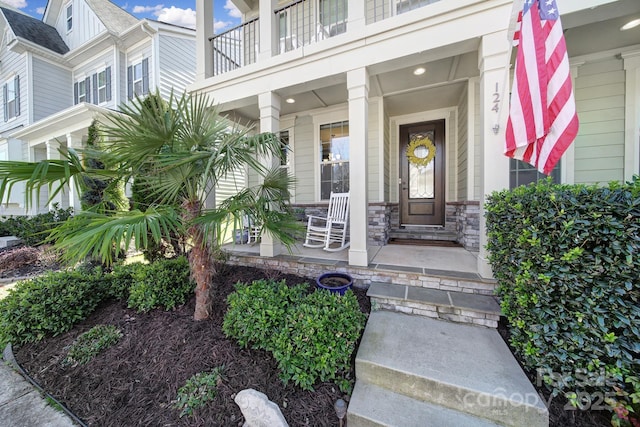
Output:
x=200 y=262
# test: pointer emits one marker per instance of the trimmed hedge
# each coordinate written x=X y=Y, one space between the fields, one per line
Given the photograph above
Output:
x=35 y=229
x=311 y=336
x=567 y=261
x=48 y=305
x=164 y=283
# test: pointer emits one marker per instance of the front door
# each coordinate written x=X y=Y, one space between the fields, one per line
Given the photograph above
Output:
x=422 y=174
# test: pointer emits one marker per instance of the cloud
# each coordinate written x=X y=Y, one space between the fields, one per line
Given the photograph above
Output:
x=177 y=16
x=40 y=10
x=233 y=10
x=18 y=4
x=157 y=9
x=220 y=26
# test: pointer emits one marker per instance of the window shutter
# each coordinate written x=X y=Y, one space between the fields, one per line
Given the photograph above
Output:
x=145 y=76
x=130 y=82
x=95 y=89
x=4 y=101
x=87 y=89
x=75 y=93
x=17 y=88
x=108 y=82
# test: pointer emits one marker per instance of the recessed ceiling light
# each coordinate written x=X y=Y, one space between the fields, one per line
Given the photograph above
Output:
x=419 y=71
x=631 y=24
x=290 y=101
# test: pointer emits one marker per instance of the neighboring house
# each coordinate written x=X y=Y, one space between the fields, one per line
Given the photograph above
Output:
x=85 y=58
x=351 y=83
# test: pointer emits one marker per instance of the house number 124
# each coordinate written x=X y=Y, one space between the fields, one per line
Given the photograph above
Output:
x=496 y=100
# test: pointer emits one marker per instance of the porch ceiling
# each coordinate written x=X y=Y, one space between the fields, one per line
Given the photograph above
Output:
x=447 y=69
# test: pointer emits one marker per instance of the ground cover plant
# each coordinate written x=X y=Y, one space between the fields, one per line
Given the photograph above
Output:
x=566 y=261
x=91 y=343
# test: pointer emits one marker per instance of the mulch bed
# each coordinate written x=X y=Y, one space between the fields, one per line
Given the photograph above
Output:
x=134 y=382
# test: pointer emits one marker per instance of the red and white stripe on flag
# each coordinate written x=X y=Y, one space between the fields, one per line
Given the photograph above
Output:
x=542 y=116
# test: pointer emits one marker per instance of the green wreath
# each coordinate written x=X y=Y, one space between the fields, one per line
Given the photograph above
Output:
x=421 y=142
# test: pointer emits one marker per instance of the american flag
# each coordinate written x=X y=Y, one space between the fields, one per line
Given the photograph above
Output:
x=542 y=116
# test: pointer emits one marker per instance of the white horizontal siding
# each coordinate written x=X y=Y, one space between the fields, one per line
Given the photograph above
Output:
x=304 y=160
x=599 y=147
x=13 y=65
x=177 y=61
x=374 y=151
x=53 y=87
x=462 y=153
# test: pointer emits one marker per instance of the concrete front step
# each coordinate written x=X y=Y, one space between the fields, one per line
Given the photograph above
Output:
x=426 y=233
x=453 y=306
x=373 y=406
x=461 y=367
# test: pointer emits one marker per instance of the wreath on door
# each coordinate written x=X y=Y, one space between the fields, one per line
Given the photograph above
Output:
x=420 y=159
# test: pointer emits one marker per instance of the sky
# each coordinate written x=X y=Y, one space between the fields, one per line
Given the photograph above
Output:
x=179 y=12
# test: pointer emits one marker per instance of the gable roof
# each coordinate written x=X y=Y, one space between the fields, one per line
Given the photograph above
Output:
x=35 y=31
x=112 y=16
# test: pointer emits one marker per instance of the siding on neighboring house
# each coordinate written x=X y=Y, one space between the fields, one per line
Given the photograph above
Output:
x=177 y=60
x=86 y=25
x=600 y=101
x=96 y=65
x=462 y=153
x=14 y=65
x=304 y=160
x=52 y=87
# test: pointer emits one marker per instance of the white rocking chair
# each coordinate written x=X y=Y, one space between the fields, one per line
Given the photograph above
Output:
x=323 y=232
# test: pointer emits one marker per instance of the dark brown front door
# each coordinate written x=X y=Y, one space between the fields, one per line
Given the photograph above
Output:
x=422 y=173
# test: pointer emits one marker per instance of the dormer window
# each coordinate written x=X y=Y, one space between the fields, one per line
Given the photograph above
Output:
x=69 y=17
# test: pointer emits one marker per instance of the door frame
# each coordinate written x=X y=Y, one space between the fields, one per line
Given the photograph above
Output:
x=422 y=120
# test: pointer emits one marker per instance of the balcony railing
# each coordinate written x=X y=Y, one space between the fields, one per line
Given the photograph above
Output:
x=300 y=23
x=304 y=22
x=236 y=47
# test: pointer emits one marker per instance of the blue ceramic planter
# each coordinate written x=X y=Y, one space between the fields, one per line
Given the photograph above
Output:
x=335 y=282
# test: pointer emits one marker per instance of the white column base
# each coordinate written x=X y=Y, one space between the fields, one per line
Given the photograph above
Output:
x=359 y=257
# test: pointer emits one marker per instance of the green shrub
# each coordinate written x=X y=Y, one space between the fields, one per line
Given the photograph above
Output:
x=164 y=283
x=312 y=336
x=319 y=338
x=566 y=260
x=257 y=311
x=48 y=305
x=35 y=229
x=122 y=277
x=198 y=390
x=91 y=343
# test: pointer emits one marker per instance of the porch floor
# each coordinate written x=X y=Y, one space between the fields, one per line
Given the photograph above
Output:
x=435 y=260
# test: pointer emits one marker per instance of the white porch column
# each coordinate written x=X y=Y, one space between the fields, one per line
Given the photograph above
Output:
x=568 y=161
x=74 y=198
x=494 y=173
x=358 y=87
x=268 y=30
x=204 y=30
x=269 y=104
x=632 y=115
x=53 y=154
x=356 y=18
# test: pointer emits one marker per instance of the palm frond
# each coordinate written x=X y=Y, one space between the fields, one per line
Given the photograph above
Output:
x=104 y=237
x=54 y=175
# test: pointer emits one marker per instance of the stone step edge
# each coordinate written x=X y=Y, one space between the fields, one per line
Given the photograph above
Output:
x=372 y=405
x=492 y=407
x=431 y=308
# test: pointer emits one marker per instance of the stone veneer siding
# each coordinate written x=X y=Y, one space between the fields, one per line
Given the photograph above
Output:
x=462 y=218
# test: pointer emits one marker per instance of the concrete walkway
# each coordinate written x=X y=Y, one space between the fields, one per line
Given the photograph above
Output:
x=22 y=405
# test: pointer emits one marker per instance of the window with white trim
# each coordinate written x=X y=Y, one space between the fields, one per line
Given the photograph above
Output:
x=11 y=98
x=334 y=158
x=138 y=79
x=82 y=90
x=69 y=17
x=522 y=173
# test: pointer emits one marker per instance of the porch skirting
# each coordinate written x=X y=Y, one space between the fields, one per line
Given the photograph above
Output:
x=462 y=218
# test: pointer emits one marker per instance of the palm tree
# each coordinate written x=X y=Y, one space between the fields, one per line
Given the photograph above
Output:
x=179 y=149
